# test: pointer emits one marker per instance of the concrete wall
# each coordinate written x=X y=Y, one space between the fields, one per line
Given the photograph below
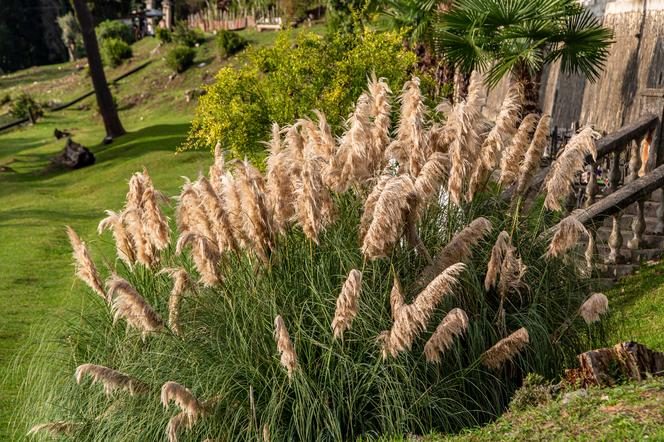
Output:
x=626 y=89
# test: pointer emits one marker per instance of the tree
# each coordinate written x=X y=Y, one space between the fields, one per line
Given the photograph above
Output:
x=520 y=37
x=104 y=98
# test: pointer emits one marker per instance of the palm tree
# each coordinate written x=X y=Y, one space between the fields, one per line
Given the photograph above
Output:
x=520 y=37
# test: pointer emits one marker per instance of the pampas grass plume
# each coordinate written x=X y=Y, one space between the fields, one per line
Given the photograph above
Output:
x=453 y=324
x=594 y=307
x=566 y=236
x=285 y=346
x=347 y=304
x=85 y=268
x=127 y=303
x=506 y=349
x=111 y=380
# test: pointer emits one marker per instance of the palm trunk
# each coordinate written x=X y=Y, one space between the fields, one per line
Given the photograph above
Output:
x=104 y=98
x=531 y=89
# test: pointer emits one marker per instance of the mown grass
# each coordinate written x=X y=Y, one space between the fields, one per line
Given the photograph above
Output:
x=633 y=411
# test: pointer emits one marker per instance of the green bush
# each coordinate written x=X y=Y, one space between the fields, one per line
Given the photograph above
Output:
x=535 y=391
x=183 y=35
x=114 y=29
x=284 y=82
x=24 y=106
x=229 y=43
x=164 y=35
x=5 y=99
x=114 y=51
x=179 y=58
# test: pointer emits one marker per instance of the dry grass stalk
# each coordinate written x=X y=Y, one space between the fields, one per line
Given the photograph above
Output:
x=453 y=324
x=505 y=349
x=127 y=303
x=123 y=246
x=313 y=208
x=279 y=183
x=217 y=168
x=516 y=151
x=560 y=180
x=285 y=346
x=355 y=147
x=233 y=206
x=503 y=243
x=59 y=428
x=410 y=146
x=111 y=380
x=347 y=304
x=206 y=257
x=219 y=220
x=594 y=307
x=370 y=205
x=458 y=249
x=154 y=221
x=181 y=283
x=183 y=398
x=189 y=212
x=500 y=134
x=432 y=176
x=389 y=216
x=566 y=236
x=137 y=185
x=381 y=110
x=178 y=422
x=143 y=247
x=396 y=298
x=512 y=271
x=328 y=146
x=531 y=162
x=85 y=268
x=410 y=320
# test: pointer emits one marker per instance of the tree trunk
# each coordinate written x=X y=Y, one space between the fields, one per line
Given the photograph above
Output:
x=104 y=98
x=531 y=89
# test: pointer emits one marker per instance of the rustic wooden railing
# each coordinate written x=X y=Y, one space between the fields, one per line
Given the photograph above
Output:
x=630 y=170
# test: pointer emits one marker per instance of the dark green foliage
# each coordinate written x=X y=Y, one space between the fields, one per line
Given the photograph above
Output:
x=522 y=36
x=229 y=43
x=180 y=57
x=114 y=29
x=114 y=51
x=71 y=36
x=164 y=35
x=24 y=106
x=185 y=36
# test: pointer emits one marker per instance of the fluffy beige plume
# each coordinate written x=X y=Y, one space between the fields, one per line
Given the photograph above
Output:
x=370 y=205
x=257 y=218
x=566 y=236
x=127 y=303
x=189 y=213
x=381 y=110
x=123 y=246
x=111 y=380
x=512 y=271
x=516 y=151
x=347 y=304
x=410 y=320
x=183 y=398
x=410 y=148
x=328 y=145
x=66 y=428
x=313 y=203
x=560 y=180
x=389 y=216
x=294 y=148
x=233 y=205
x=501 y=133
x=217 y=168
x=279 y=183
x=206 y=257
x=219 y=220
x=396 y=299
x=453 y=324
x=85 y=268
x=531 y=162
x=432 y=176
x=505 y=349
x=503 y=243
x=137 y=185
x=458 y=249
x=154 y=221
x=181 y=283
x=178 y=422
x=143 y=247
x=285 y=346
x=594 y=307
x=355 y=147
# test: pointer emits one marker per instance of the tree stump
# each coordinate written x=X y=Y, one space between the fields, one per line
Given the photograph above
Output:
x=608 y=366
x=74 y=156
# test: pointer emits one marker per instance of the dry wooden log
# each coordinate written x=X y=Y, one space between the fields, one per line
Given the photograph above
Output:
x=607 y=366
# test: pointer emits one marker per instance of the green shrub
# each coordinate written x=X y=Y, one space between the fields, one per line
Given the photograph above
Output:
x=114 y=29
x=183 y=35
x=179 y=58
x=164 y=35
x=5 y=99
x=284 y=82
x=229 y=43
x=24 y=106
x=114 y=51
x=535 y=391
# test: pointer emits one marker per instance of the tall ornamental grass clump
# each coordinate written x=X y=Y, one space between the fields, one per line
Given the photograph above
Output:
x=285 y=82
x=358 y=288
